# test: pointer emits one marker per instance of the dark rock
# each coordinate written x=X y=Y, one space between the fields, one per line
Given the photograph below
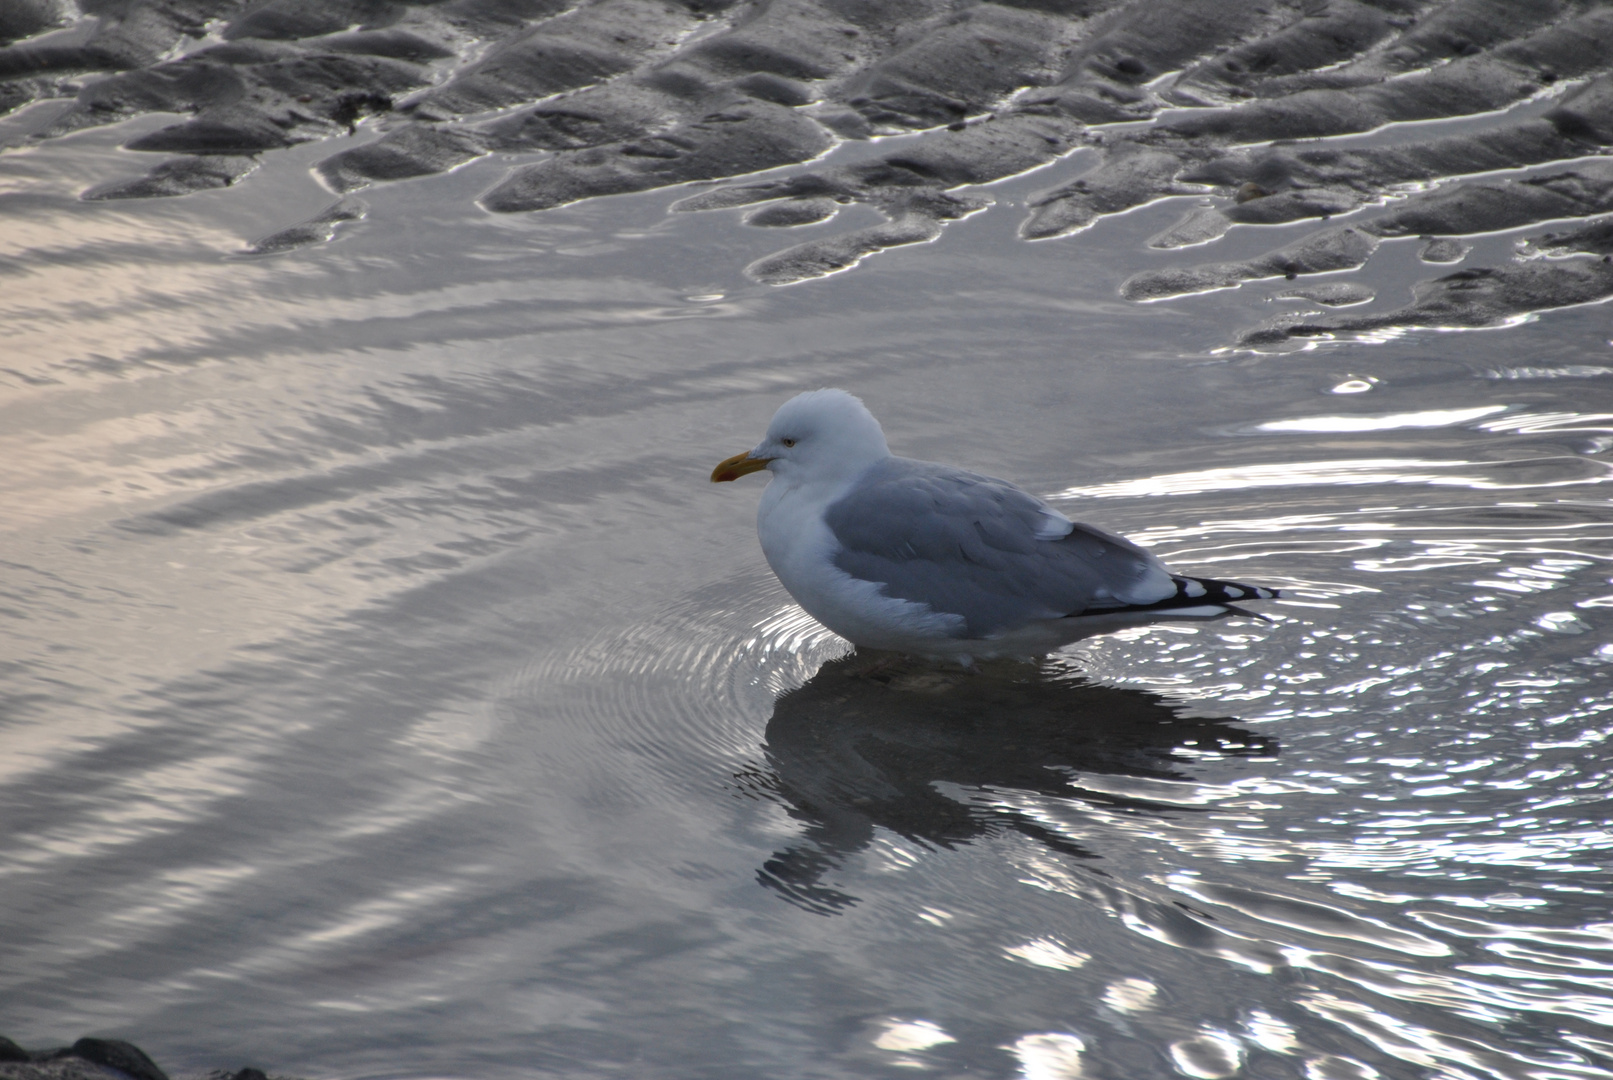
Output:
x=316 y=230
x=1467 y=299
x=491 y=19
x=805 y=41
x=1443 y=250
x=988 y=151
x=1205 y=225
x=977 y=154
x=17 y=93
x=96 y=1059
x=414 y=150
x=778 y=90
x=56 y=1065
x=185 y=86
x=1330 y=293
x=395 y=43
x=1102 y=80
x=25 y=18
x=819 y=258
x=1129 y=175
x=916 y=221
x=121 y=37
x=1586 y=116
x=845 y=122
x=1375 y=170
x=1433 y=34
x=897 y=184
x=331 y=84
x=1494 y=205
x=181 y=176
x=223 y=131
x=567 y=52
x=120 y=1055
x=287 y=101
x=247 y=51
x=806 y=186
x=961 y=68
x=292 y=19
x=1338 y=248
x=1342 y=30
x=793 y=212
x=1595 y=238
x=594 y=117
x=746 y=136
x=1482 y=83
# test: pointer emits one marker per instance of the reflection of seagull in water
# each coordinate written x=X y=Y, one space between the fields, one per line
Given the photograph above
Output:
x=922 y=558
x=848 y=753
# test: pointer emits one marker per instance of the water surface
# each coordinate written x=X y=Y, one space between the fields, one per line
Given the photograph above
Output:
x=389 y=694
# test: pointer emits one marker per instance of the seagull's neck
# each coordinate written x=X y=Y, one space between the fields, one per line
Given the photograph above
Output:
x=822 y=481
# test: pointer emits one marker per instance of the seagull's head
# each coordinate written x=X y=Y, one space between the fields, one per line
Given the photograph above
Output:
x=819 y=435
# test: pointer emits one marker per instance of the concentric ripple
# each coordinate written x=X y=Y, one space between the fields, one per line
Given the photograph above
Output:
x=1377 y=809
x=699 y=677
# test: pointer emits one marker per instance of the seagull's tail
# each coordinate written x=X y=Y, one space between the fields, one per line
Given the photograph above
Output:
x=1196 y=596
x=1195 y=590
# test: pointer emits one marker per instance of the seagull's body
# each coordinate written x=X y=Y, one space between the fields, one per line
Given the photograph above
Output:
x=918 y=557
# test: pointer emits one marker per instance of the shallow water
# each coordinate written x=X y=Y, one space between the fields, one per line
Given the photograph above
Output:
x=389 y=694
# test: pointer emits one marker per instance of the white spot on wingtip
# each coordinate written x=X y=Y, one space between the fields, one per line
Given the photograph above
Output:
x=1195 y=589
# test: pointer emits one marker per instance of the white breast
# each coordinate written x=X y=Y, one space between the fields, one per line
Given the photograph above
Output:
x=801 y=549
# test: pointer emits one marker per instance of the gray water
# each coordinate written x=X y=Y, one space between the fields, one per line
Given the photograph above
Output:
x=388 y=694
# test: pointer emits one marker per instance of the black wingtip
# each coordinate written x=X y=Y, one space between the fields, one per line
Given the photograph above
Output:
x=1195 y=593
x=1211 y=591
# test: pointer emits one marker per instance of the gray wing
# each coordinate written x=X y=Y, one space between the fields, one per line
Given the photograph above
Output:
x=968 y=545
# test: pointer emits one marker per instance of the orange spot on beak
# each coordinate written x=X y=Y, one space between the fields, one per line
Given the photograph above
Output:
x=737 y=466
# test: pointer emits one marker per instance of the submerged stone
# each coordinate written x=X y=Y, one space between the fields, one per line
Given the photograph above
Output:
x=793 y=212
x=25 y=18
x=915 y=220
x=181 y=176
x=746 y=136
x=292 y=19
x=1443 y=249
x=316 y=230
x=1330 y=293
x=1279 y=208
x=1595 y=238
x=415 y=150
x=1482 y=206
x=577 y=49
x=1465 y=300
x=1338 y=248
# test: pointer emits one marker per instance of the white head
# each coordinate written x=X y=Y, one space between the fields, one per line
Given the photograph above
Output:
x=819 y=435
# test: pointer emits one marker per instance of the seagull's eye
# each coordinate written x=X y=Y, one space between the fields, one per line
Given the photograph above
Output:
x=787 y=442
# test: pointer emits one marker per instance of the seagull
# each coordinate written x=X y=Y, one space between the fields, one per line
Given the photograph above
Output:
x=927 y=559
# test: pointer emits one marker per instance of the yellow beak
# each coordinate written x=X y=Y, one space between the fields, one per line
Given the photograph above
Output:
x=737 y=466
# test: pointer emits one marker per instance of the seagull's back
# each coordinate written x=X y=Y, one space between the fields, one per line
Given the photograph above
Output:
x=982 y=548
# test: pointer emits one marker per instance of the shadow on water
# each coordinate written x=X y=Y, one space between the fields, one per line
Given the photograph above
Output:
x=868 y=744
